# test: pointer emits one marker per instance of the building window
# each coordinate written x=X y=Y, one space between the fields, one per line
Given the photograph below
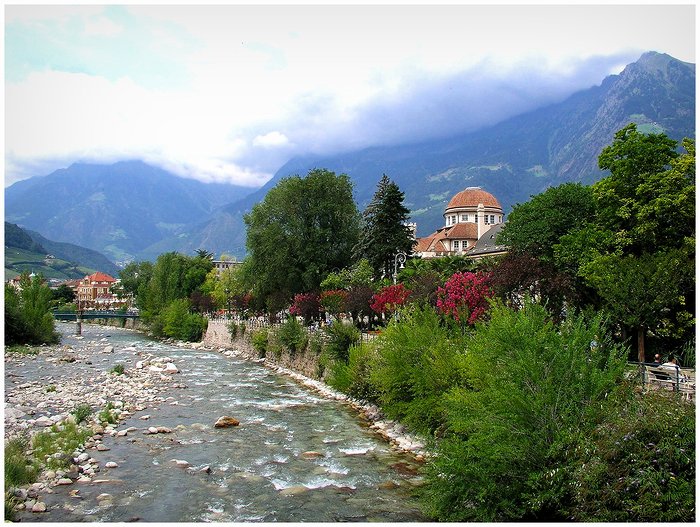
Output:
x=465 y=245
x=493 y=219
x=455 y=244
x=465 y=217
x=486 y=219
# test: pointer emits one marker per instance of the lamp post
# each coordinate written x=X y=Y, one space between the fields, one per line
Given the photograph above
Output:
x=399 y=261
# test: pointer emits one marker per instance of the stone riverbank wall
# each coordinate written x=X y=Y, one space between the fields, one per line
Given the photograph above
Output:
x=306 y=362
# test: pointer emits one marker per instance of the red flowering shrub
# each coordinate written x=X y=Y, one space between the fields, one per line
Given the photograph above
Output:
x=464 y=296
x=306 y=305
x=333 y=301
x=389 y=298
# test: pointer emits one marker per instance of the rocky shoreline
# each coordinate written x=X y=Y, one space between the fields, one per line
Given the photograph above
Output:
x=36 y=405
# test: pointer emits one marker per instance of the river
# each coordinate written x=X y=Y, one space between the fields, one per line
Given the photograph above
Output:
x=295 y=457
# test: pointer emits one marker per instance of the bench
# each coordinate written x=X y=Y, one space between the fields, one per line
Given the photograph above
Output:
x=677 y=379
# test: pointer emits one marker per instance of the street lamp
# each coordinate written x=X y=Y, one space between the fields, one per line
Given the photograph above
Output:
x=399 y=258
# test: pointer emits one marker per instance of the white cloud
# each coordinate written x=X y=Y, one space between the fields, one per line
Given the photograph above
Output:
x=267 y=82
x=102 y=26
x=271 y=139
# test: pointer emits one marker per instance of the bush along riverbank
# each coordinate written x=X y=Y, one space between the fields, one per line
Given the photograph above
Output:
x=525 y=418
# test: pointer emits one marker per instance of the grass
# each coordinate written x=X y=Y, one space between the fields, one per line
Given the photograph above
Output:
x=22 y=349
x=81 y=412
x=59 y=439
x=106 y=415
x=117 y=369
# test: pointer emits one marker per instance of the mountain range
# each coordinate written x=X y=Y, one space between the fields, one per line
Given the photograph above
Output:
x=514 y=159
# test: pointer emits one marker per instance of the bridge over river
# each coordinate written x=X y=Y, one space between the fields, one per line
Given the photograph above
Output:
x=92 y=315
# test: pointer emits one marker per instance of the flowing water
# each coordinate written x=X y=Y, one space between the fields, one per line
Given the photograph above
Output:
x=295 y=456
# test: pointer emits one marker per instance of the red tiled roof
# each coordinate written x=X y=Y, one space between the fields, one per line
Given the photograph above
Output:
x=100 y=277
x=471 y=197
x=463 y=231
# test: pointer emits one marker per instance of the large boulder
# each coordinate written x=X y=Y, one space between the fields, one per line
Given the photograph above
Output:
x=226 y=422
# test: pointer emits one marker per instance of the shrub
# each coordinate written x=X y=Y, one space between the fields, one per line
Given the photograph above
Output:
x=28 y=319
x=241 y=329
x=306 y=305
x=232 y=329
x=293 y=335
x=259 y=340
x=333 y=301
x=389 y=299
x=529 y=385
x=465 y=297
x=106 y=415
x=416 y=363
x=360 y=365
x=180 y=324
x=117 y=369
x=81 y=412
x=316 y=344
x=638 y=465
x=340 y=338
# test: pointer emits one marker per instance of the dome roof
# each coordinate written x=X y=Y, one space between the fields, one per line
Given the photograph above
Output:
x=471 y=197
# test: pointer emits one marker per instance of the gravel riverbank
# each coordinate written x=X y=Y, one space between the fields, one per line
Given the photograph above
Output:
x=42 y=390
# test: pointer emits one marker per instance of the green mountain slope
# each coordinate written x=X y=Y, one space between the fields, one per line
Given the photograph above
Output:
x=28 y=251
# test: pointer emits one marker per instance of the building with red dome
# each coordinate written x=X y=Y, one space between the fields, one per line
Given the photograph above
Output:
x=471 y=215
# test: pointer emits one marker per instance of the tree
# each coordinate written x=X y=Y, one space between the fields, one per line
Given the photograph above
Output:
x=385 y=229
x=644 y=292
x=536 y=226
x=638 y=165
x=389 y=299
x=303 y=229
x=28 y=319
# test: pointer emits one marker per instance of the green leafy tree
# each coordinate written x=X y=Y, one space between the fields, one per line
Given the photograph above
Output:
x=536 y=226
x=28 y=319
x=385 y=229
x=645 y=292
x=637 y=185
x=135 y=278
x=303 y=229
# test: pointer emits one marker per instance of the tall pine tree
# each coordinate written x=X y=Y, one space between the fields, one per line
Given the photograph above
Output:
x=385 y=229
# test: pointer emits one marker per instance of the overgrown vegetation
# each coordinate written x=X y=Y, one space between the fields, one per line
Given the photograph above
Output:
x=55 y=446
x=117 y=369
x=107 y=414
x=81 y=412
x=27 y=313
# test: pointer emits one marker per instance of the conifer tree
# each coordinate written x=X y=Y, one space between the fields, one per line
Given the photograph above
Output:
x=385 y=230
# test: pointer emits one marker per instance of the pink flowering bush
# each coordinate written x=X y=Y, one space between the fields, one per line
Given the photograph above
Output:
x=389 y=298
x=465 y=296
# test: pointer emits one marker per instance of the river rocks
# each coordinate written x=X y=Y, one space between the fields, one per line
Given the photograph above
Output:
x=108 y=349
x=294 y=491
x=64 y=481
x=171 y=368
x=226 y=421
x=111 y=464
x=39 y=506
x=145 y=417
x=180 y=463
x=311 y=454
x=102 y=448
x=43 y=421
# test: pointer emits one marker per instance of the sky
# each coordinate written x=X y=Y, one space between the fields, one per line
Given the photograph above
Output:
x=229 y=93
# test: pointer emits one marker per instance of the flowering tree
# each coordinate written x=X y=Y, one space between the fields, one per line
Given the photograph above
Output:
x=390 y=298
x=464 y=296
x=333 y=301
x=306 y=305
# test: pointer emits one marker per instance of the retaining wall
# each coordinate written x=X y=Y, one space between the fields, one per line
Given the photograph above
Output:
x=218 y=336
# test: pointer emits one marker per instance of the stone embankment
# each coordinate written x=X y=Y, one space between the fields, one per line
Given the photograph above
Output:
x=303 y=368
